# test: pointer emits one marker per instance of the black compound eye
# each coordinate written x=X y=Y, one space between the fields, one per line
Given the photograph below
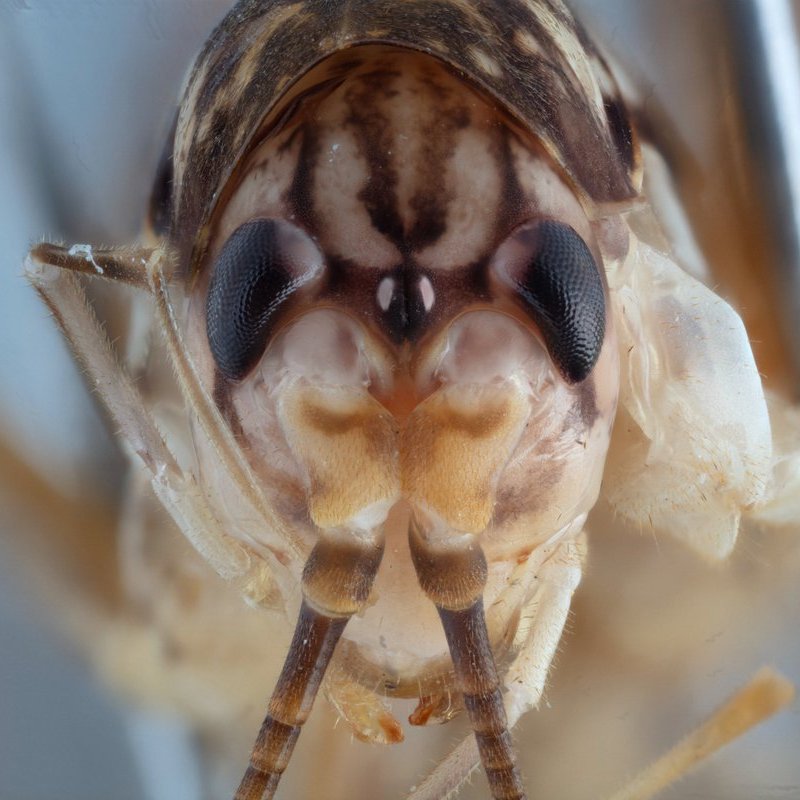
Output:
x=553 y=273
x=259 y=267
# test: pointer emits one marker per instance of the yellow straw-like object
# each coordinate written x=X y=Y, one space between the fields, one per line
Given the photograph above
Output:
x=767 y=693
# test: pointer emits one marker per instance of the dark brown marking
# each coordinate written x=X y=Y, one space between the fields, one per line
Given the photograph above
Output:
x=619 y=121
x=160 y=208
x=451 y=577
x=373 y=132
x=337 y=580
x=314 y=640
x=513 y=199
x=338 y=575
x=476 y=678
x=430 y=208
x=454 y=579
x=301 y=191
x=430 y=204
x=542 y=91
x=588 y=402
x=223 y=400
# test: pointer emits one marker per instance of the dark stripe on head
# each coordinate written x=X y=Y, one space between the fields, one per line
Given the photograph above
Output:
x=373 y=132
x=540 y=85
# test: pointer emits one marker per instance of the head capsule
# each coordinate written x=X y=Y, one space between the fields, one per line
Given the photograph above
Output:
x=401 y=299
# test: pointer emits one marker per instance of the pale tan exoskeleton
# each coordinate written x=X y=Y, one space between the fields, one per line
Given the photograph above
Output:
x=394 y=270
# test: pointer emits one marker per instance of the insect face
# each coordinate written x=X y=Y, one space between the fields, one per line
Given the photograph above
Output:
x=402 y=302
x=391 y=272
x=402 y=316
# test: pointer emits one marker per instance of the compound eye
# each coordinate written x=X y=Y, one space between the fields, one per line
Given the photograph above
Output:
x=553 y=275
x=258 y=269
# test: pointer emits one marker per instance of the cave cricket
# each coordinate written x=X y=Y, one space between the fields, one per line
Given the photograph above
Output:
x=392 y=267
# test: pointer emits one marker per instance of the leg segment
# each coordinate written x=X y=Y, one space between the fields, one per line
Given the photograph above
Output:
x=542 y=626
x=121 y=265
x=58 y=285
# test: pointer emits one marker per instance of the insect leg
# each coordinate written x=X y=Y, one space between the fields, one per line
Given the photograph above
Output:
x=453 y=578
x=61 y=290
x=337 y=580
x=542 y=626
x=123 y=265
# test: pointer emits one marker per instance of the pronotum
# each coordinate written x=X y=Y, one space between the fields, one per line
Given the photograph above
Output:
x=414 y=149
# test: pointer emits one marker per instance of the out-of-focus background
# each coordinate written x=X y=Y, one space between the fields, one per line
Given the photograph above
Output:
x=88 y=89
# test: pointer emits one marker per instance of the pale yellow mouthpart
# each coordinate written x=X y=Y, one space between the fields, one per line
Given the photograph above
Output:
x=347 y=442
x=454 y=447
